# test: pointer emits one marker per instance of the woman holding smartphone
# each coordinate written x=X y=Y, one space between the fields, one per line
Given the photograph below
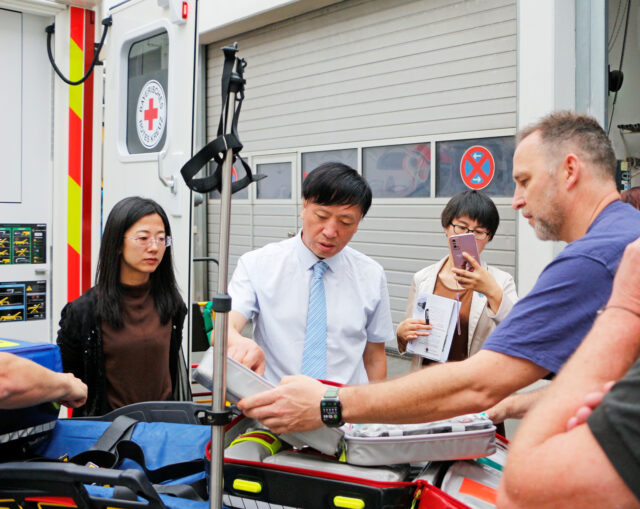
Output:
x=123 y=336
x=486 y=294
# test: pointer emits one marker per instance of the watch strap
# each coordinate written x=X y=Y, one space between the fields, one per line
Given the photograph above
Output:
x=332 y=392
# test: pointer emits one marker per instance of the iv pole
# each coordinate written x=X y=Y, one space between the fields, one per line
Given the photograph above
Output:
x=225 y=150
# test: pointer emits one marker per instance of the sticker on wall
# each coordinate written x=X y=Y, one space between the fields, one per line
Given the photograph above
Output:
x=23 y=243
x=477 y=167
x=151 y=113
x=22 y=300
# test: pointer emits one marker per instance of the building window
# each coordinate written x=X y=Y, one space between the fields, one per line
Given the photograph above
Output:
x=277 y=185
x=147 y=92
x=481 y=163
x=237 y=171
x=311 y=160
x=398 y=171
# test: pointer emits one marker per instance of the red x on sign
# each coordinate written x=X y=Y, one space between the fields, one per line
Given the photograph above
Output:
x=477 y=167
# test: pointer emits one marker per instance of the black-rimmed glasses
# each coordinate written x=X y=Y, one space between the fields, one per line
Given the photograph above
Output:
x=478 y=234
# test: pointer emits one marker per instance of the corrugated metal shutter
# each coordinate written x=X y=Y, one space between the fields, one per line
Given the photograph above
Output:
x=370 y=71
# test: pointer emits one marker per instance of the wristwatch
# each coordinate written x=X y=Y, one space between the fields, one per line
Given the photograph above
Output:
x=331 y=409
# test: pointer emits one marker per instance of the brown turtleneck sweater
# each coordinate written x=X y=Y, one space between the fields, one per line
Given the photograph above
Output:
x=137 y=355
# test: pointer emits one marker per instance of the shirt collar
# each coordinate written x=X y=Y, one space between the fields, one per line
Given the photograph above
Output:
x=308 y=259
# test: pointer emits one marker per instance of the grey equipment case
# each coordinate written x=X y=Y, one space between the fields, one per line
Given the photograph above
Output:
x=463 y=437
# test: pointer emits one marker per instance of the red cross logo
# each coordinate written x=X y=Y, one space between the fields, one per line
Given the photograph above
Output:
x=151 y=114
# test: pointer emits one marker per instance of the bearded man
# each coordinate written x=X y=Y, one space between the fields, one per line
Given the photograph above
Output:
x=564 y=168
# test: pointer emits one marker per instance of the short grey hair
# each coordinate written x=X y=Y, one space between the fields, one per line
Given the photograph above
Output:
x=576 y=132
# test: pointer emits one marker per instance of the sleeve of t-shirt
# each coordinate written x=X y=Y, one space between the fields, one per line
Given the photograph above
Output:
x=243 y=295
x=615 y=424
x=548 y=324
x=379 y=324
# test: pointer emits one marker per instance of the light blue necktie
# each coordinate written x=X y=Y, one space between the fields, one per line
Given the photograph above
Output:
x=314 y=357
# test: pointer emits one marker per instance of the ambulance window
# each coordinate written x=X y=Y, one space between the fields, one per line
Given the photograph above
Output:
x=277 y=185
x=481 y=163
x=398 y=171
x=311 y=160
x=147 y=91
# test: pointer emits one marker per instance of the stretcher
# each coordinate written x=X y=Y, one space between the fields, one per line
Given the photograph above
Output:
x=175 y=433
x=113 y=472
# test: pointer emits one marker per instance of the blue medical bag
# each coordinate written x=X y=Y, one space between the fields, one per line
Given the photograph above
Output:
x=128 y=462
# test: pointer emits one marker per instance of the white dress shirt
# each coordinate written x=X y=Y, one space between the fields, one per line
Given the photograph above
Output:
x=271 y=287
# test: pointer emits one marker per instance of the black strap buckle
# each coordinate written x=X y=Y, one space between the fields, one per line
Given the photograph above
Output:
x=232 y=83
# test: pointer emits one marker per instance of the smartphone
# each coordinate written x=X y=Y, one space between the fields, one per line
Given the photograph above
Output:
x=463 y=243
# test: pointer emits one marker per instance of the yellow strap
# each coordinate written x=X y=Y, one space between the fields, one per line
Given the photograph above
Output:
x=343 y=452
x=273 y=447
x=416 y=497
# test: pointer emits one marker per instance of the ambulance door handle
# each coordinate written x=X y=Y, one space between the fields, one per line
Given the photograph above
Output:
x=170 y=181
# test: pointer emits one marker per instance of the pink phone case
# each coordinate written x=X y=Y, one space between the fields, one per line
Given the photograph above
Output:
x=463 y=243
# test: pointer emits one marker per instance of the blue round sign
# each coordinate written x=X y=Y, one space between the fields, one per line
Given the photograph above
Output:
x=477 y=167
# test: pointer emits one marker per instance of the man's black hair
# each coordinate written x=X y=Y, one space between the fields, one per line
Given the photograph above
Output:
x=475 y=205
x=337 y=184
x=164 y=288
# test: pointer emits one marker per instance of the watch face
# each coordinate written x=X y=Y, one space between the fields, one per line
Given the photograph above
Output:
x=331 y=412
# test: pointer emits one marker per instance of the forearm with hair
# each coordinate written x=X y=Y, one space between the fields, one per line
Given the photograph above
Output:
x=605 y=354
x=25 y=383
x=441 y=391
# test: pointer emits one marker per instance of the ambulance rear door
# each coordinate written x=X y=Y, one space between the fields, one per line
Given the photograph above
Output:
x=148 y=101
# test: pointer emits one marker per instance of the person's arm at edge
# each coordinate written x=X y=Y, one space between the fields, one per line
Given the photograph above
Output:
x=536 y=455
x=24 y=383
x=515 y=406
x=571 y=470
x=441 y=391
x=438 y=392
x=243 y=349
x=543 y=454
x=375 y=361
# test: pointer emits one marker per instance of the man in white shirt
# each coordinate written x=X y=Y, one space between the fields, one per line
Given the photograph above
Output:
x=271 y=286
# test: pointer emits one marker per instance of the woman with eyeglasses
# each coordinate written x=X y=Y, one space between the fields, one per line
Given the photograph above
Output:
x=486 y=294
x=123 y=336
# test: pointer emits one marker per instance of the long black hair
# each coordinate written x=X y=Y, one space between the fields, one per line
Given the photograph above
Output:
x=164 y=288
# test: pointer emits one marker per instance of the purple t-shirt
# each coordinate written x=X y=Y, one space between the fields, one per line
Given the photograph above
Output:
x=548 y=324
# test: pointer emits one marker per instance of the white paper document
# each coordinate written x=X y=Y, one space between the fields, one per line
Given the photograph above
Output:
x=443 y=317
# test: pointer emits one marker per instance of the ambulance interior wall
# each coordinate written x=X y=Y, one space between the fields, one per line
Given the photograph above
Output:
x=25 y=176
x=371 y=73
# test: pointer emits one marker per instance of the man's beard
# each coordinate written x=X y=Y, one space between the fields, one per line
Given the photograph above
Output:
x=548 y=223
